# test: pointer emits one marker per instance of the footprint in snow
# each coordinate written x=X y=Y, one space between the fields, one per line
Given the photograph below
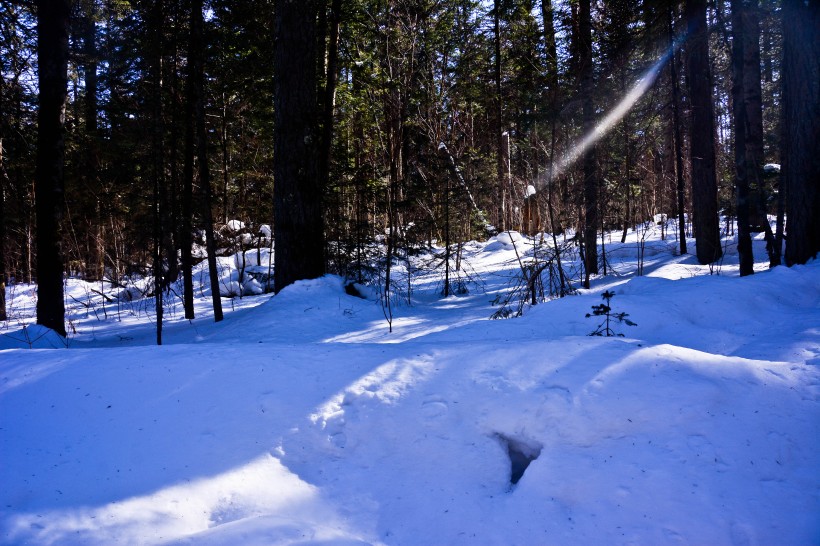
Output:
x=434 y=409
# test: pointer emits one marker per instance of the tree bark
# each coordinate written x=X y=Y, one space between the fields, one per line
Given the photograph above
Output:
x=329 y=100
x=156 y=21
x=801 y=129
x=92 y=166
x=298 y=220
x=591 y=221
x=52 y=56
x=745 y=165
x=548 y=16
x=4 y=181
x=499 y=112
x=702 y=145
x=198 y=69
x=676 y=125
x=187 y=212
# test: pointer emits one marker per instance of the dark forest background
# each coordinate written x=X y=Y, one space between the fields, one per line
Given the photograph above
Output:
x=133 y=132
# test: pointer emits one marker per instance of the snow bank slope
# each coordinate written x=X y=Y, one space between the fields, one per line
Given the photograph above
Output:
x=702 y=427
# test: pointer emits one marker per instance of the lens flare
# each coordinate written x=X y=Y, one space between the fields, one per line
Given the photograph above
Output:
x=613 y=117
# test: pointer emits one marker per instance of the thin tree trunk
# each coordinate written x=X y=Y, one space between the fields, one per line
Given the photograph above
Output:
x=52 y=56
x=744 y=161
x=676 y=125
x=91 y=170
x=498 y=101
x=4 y=181
x=329 y=100
x=223 y=141
x=186 y=222
x=198 y=69
x=156 y=23
x=548 y=16
x=590 y=176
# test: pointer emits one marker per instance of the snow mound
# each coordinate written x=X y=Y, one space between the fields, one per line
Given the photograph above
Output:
x=235 y=225
x=33 y=336
x=507 y=240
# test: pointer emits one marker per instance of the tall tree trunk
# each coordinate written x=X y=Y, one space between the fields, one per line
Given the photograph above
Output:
x=329 y=100
x=298 y=220
x=548 y=16
x=92 y=161
x=589 y=164
x=801 y=129
x=676 y=126
x=197 y=59
x=156 y=20
x=745 y=165
x=186 y=221
x=759 y=193
x=52 y=57
x=702 y=145
x=499 y=112
x=4 y=182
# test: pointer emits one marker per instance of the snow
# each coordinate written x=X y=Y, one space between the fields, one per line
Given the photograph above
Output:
x=302 y=419
x=235 y=225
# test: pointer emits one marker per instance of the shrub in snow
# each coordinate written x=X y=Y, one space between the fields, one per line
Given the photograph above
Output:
x=605 y=310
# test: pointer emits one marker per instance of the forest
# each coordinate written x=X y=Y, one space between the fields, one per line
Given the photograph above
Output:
x=409 y=272
x=142 y=137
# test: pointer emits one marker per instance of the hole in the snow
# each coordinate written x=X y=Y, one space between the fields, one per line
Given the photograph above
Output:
x=521 y=454
x=352 y=290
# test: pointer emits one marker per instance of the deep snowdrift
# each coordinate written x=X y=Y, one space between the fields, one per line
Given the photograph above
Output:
x=302 y=420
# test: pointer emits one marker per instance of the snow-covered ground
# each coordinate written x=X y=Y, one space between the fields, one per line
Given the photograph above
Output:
x=301 y=420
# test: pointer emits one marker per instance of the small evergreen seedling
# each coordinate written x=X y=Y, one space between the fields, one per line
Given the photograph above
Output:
x=605 y=310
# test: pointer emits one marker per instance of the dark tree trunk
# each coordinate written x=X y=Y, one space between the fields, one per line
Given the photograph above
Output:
x=745 y=165
x=548 y=16
x=329 y=100
x=702 y=145
x=52 y=56
x=499 y=112
x=591 y=221
x=186 y=221
x=298 y=220
x=4 y=182
x=197 y=59
x=801 y=129
x=156 y=21
x=92 y=166
x=676 y=126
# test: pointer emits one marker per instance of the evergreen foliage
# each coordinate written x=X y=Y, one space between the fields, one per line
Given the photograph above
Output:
x=507 y=87
x=605 y=329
